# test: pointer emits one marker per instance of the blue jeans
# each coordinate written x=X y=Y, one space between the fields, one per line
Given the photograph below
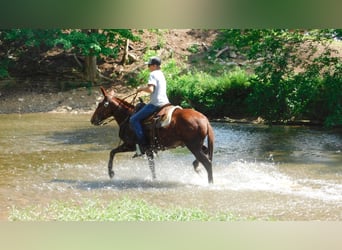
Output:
x=137 y=118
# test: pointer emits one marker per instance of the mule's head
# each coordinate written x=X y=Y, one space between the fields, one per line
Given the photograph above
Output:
x=104 y=109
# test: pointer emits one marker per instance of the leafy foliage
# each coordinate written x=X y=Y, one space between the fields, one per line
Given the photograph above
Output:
x=214 y=96
x=17 y=42
x=95 y=42
x=291 y=74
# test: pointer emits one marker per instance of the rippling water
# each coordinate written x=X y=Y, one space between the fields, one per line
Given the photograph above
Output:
x=283 y=173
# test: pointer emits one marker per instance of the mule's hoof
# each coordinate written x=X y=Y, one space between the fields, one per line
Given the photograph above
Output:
x=196 y=166
x=111 y=174
x=137 y=155
x=197 y=169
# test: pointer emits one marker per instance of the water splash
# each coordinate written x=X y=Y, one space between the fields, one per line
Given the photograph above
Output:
x=268 y=177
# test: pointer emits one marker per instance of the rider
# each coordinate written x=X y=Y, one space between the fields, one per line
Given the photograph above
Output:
x=156 y=86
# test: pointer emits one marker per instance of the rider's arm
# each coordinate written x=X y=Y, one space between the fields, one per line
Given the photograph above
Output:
x=149 y=88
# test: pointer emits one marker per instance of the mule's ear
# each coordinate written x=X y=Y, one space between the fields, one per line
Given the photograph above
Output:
x=103 y=91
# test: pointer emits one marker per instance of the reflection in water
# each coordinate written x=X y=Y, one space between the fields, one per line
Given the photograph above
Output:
x=286 y=173
x=281 y=143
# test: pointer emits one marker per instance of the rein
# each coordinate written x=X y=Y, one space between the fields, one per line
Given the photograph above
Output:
x=135 y=97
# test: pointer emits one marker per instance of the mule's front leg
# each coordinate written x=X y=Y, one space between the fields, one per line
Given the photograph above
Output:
x=110 y=163
x=121 y=148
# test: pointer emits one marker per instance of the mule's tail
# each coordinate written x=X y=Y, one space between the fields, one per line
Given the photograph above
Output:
x=210 y=139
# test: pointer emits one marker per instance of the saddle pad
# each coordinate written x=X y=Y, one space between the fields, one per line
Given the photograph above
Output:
x=165 y=119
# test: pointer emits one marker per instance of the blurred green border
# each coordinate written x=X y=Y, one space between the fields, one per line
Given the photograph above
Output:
x=171 y=14
x=171 y=236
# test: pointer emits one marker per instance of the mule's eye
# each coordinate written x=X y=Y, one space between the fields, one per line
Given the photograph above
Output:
x=106 y=104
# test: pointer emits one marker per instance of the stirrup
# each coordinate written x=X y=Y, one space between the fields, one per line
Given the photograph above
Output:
x=138 y=152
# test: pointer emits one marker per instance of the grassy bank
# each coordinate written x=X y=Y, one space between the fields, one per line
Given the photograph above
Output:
x=118 y=210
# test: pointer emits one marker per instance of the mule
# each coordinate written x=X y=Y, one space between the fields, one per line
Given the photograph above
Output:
x=187 y=127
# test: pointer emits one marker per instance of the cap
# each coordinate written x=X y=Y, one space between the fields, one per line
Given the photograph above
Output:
x=155 y=60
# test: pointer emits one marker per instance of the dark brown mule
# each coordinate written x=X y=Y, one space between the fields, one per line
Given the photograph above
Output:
x=187 y=128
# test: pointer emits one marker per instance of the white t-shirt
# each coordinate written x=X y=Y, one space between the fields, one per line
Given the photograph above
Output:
x=158 y=96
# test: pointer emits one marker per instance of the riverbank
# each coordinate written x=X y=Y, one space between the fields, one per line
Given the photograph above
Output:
x=78 y=100
x=84 y=100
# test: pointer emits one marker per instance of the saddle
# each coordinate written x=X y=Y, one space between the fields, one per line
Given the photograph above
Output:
x=162 y=117
x=159 y=119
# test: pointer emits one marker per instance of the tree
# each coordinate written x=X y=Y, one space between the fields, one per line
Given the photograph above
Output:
x=91 y=43
x=16 y=43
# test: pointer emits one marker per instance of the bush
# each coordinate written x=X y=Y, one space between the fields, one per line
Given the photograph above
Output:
x=298 y=73
x=4 y=69
x=214 y=96
x=303 y=96
x=327 y=106
x=284 y=100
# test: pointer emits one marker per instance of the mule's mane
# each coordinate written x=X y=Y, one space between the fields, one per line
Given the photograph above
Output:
x=124 y=104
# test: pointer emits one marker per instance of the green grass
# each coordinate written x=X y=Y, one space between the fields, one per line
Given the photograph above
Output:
x=118 y=210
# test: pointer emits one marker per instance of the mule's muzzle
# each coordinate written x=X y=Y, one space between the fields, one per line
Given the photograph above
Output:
x=100 y=122
x=95 y=121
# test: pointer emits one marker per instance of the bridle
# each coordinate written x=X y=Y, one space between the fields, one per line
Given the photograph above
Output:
x=110 y=119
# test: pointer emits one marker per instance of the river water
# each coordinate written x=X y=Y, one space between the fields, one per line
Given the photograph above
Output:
x=261 y=172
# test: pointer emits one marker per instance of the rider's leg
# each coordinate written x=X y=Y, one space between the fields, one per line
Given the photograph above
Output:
x=135 y=122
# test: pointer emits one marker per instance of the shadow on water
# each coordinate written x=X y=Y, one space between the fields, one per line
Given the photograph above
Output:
x=130 y=184
x=91 y=139
x=91 y=135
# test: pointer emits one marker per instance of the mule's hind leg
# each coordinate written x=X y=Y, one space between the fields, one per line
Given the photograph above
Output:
x=195 y=163
x=207 y=164
x=149 y=154
x=202 y=158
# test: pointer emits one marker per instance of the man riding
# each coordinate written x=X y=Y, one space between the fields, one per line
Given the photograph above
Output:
x=156 y=87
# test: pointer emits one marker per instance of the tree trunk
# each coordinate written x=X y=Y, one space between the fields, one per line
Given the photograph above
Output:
x=124 y=60
x=90 y=70
x=90 y=65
